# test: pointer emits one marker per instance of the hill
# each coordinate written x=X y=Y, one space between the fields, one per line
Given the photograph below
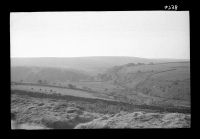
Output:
x=152 y=81
x=141 y=81
x=48 y=74
x=91 y=65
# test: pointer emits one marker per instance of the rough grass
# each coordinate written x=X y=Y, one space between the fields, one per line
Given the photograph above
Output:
x=56 y=114
x=101 y=106
x=139 y=120
x=162 y=81
x=61 y=124
x=65 y=114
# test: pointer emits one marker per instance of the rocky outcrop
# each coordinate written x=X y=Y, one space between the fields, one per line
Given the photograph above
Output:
x=139 y=120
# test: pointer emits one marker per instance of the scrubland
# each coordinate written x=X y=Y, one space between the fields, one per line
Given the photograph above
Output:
x=39 y=111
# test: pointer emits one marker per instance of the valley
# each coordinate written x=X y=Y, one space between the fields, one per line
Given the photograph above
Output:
x=161 y=88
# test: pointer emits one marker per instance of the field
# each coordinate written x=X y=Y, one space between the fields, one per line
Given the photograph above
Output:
x=50 y=90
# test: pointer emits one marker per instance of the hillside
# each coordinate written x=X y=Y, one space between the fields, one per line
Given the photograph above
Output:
x=70 y=69
x=161 y=81
x=91 y=65
x=33 y=74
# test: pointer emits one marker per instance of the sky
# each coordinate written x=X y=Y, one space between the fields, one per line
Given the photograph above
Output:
x=145 y=34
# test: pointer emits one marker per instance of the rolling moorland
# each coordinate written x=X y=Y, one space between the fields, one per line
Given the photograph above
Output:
x=100 y=92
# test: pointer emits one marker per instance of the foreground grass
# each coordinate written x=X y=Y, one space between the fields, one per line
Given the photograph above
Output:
x=100 y=105
x=55 y=113
x=139 y=120
x=49 y=113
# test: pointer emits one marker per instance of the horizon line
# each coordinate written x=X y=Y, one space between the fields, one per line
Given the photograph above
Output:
x=105 y=56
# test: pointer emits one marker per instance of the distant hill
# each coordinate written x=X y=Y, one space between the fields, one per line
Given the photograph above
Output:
x=33 y=74
x=92 y=65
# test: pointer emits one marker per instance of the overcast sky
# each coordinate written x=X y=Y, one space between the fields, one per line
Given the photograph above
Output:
x=146 y=34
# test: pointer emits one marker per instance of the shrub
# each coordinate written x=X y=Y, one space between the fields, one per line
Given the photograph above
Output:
x=130 y=64
x=39 y=81
x=86 y=88
x=71 y=86
x=55 y=124
x=13 y=116
x=175 y=83
x=40 y=104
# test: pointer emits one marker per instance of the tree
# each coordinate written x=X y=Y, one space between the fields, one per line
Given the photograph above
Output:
x=45 y=82
x=71 y=86
x=130 y=64
x=175 y=82
x=39 y=81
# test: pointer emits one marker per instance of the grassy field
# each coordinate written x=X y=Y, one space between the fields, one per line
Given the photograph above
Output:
x=96 y=86
x=51 y=90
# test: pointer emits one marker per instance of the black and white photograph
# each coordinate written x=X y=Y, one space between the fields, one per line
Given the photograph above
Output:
x=100 y=70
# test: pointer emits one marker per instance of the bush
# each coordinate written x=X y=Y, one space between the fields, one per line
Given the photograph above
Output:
x=130 y=64
x=39 y=81
x=175 y=83
x=55 y=124
x=71 y=86
x=13 y=116
x=86 y=88
x=40 y=104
